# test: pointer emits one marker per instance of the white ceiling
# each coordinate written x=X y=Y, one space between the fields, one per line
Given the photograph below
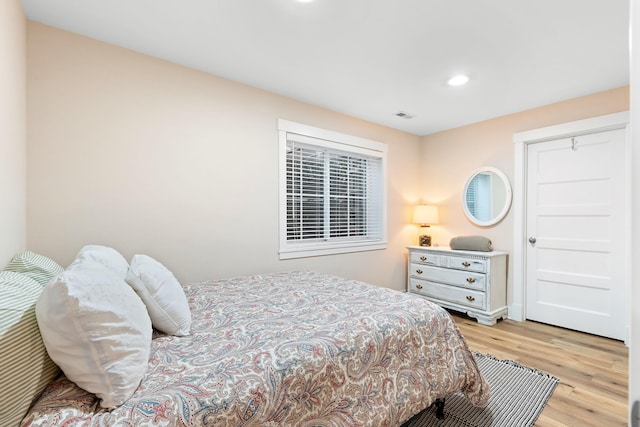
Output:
x=373 y=58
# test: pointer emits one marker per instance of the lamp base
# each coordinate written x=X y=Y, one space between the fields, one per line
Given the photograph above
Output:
x=424 y=240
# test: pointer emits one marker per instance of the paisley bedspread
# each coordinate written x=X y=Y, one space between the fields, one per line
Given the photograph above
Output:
x=288 y=349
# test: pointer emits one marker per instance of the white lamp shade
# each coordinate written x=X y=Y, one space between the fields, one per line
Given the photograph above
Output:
x=425 y=215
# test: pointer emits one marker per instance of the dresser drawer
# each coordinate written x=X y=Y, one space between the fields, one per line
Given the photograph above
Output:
x=466 y=279
x=465 y=297
x=467 y=264
x=423 y=258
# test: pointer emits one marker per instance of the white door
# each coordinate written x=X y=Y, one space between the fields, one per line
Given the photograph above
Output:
x=575 y=257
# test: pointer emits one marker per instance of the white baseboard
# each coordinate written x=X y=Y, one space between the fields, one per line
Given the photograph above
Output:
x=516 y=313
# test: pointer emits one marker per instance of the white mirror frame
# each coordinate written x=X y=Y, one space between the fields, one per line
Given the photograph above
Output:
x=507 y=203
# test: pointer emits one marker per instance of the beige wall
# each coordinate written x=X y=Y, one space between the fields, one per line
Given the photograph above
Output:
x=448 y=158
x=12 y=129
x=148 y=156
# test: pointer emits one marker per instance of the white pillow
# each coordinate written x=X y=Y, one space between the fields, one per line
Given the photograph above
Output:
x=162 y=294
x=97 y=330
x=109 y=257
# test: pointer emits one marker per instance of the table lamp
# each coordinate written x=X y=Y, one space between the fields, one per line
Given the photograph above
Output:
x=425 y=216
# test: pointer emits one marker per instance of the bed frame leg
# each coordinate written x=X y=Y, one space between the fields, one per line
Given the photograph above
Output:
x=439 y=409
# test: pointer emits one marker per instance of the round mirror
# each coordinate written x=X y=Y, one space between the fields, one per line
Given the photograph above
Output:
x=487 y=196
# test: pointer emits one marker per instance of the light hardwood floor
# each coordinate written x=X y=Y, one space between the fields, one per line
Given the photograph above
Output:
x=593 y=371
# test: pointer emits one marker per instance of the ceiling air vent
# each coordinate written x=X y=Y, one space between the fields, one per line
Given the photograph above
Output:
x=404 y=115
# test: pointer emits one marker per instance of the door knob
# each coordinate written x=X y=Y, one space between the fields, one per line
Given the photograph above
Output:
x=532 y=240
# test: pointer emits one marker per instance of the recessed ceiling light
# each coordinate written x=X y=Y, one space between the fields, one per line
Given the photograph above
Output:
x=458 y=80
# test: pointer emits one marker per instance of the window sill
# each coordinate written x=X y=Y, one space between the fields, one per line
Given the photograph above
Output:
x=316 y=250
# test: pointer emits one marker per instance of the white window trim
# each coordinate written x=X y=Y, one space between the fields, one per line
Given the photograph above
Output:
x=334 y=140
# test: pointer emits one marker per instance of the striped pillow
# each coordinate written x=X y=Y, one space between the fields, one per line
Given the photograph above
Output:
x=38 y=267
x=26 y=366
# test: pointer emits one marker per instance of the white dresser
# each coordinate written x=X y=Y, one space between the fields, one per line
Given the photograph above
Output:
x=471 y=282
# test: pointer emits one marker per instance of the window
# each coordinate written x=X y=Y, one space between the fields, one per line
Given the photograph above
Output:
x=332 y=192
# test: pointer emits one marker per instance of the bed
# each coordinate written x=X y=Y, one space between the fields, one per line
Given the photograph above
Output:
x=287 y=349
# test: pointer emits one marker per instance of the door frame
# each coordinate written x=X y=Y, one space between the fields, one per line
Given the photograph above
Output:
x=522 y=140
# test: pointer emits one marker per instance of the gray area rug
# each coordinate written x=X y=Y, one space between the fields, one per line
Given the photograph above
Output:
x=518 y=395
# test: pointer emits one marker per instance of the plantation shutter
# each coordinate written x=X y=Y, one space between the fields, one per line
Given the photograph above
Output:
x=332 y=194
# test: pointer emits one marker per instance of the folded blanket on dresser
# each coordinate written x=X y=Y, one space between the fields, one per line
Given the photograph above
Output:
x=471 y=243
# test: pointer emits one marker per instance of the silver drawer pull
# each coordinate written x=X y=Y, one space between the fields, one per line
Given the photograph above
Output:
x=470 y=298
x=423 y=258
x=470 y=280
x=419 y=271
x=418 y=286
x=466 y=264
